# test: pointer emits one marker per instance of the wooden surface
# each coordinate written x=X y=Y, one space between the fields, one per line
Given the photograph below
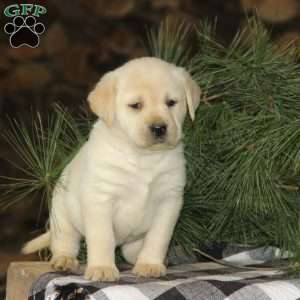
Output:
x=20 y=276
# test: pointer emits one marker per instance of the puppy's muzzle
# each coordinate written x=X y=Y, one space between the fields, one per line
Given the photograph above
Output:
x=158 y=130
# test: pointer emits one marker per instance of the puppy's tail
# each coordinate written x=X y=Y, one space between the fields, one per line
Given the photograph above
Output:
x=36 y=244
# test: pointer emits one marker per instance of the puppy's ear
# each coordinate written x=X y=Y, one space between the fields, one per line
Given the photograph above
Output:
x=102 y=98
x=192 y=92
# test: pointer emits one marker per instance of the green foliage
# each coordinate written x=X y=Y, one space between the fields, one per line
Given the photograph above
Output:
x=242 y=151
x=252 y=137
x=44 y=148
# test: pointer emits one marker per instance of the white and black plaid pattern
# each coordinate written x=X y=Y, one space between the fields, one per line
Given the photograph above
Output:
x=183 y=282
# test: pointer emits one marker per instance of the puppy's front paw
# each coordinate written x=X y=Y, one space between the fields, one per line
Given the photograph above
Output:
x=150 y=270
x=102 y=273
x=64 y=263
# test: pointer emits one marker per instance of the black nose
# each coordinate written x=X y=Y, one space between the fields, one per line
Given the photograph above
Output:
x=158 y=130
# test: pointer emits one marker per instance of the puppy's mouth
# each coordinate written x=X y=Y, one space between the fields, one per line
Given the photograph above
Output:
x=161 y=144
x=158 y=146
x=162 y=140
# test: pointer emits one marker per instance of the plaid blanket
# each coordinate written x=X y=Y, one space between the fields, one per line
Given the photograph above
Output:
x=190 y=281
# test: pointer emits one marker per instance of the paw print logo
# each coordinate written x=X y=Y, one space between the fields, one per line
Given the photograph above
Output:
x=24 y=31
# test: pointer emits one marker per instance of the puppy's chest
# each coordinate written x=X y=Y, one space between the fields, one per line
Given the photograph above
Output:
x=136 y=204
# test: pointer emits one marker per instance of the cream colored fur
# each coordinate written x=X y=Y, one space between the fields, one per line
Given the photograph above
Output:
x=124 y=187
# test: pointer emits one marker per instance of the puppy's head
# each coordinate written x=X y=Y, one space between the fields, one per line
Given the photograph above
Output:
x=147 y=99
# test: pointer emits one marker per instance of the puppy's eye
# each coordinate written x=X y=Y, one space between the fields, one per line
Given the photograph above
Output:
x=136 y=105
x=171 y=102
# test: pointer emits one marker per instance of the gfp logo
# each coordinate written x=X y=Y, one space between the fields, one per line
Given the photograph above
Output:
x=24 y=30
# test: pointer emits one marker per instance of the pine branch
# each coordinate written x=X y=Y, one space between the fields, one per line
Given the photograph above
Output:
x=44 y=151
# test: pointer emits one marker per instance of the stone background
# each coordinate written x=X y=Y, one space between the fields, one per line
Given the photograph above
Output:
x=83 y=40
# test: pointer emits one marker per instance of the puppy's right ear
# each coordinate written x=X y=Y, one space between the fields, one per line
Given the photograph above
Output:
x=102 y=98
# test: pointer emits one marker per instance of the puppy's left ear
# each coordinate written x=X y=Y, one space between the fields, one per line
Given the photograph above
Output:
x=192 y=92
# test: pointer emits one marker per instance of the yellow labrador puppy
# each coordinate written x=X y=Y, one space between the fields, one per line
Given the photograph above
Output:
x=125 y=186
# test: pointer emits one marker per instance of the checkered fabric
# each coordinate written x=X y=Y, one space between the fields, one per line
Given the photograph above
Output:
x=194 y=282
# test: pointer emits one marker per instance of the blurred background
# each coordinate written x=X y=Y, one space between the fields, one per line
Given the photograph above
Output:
x=83 y=40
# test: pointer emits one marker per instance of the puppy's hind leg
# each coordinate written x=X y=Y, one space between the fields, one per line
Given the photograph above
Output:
x=65 y=242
